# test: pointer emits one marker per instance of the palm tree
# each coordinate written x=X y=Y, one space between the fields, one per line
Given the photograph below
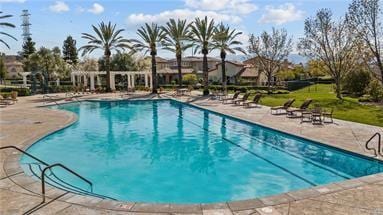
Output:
x=107 y=38
x=224 y=39
x=6 y=24
x=176 y=34
x=151 y=35
x=202 y=31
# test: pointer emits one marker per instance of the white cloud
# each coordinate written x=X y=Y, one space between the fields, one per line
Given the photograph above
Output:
x=281 y=14
x=140 y=18
x=59 y=7
x=96 y=8
x=229 y=6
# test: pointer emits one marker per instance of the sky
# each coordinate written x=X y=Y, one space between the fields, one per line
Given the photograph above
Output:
x=52 y=21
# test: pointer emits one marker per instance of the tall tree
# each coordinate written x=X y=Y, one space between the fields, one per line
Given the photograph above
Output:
x=202 y=31
x=3 y=71
x=224 y=40
x=107 y=38
x=119 y=62
x=330 y=42
x=365 y=19
x=177 y=33
x=151 y=35
x=28 y=48
x=5 y=24
x=271 y=49
x=70 y=51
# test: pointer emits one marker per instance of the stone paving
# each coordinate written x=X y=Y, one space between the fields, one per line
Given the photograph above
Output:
x=23 y=123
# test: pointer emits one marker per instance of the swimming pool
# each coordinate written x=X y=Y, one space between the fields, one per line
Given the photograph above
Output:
x=167 y=151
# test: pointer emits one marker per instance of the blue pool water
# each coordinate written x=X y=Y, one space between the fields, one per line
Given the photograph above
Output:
x=167 y=151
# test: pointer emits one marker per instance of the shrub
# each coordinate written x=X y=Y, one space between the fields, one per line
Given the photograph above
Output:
x=296 y=85
x=20 y=91
x=357 y=82
x=375 y=89
x=189 y=79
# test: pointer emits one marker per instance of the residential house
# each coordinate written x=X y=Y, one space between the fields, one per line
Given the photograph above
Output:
x=13 y=66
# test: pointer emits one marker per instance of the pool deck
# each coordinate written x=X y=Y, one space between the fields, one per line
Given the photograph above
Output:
x=24 y=123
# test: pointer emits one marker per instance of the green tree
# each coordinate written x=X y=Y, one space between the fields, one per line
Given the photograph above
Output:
x=3 y=70
x=4 y=24
x=150 y=35
x=316 y=68
x=28 y=48
x=107 y=38
x=70 y=51
x=119 y=62
x=271 y=49
x=201 y=33
x=330 y=42
x=176 y=41
x=224 y=40
x=364 y=17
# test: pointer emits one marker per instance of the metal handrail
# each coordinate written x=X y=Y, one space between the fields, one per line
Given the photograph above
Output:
x=376 y=152
x=48 y=167
x=67 y=169
x=24 y=152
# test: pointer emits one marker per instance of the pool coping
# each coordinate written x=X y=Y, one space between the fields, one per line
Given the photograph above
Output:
x=16 y=174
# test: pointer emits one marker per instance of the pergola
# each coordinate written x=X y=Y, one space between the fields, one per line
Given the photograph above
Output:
x=83 y=76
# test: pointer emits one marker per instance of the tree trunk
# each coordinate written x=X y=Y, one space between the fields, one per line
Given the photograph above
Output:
x=205 y=74
x=179 y=67
x=380 y=66
x=338 y=89
x=154 y=74
x=223 y=68
x=269 y=77
x=107 y=67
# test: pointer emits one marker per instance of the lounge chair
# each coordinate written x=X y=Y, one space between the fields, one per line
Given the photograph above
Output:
x=240 y=101
x=255 y=101
x=277 y=110
x=5 y=101
x=231 y=99
x=291 y=112
x=328 y=115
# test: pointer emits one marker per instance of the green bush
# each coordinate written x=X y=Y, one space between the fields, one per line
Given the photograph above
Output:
x=189 y=79
x=356 y=82
x=20 y=91
x=375 y=90
x=296 y=85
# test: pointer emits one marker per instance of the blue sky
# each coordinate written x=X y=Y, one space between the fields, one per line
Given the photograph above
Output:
x=52 y=21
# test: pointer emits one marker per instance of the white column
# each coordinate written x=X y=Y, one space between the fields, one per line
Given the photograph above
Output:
x=73 y=79
x=146 y=80
x=112 y=82
x=58 y=82
x=91 y=75
x=78 y=80
x=133 y=80
x=24 y=81
x=85 y=81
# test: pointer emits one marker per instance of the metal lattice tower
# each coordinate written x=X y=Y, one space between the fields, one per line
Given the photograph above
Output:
x=25 y=24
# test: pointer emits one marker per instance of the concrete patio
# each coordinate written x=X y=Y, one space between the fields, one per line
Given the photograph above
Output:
x=25 y=122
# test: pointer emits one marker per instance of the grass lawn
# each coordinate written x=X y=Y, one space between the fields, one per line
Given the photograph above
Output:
x=323 y=94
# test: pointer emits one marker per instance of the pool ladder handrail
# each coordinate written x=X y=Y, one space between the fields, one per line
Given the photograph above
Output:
x=67 y=169
x=379 y=148
x=48 y=167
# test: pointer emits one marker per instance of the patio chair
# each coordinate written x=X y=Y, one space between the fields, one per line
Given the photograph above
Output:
x=5 y=101
x=240 y=101
x=231 y=99
x=316 y=115
x=14 y=96
x=276 y=110
x=255 y=101
x=328 y=115
x=291 y=112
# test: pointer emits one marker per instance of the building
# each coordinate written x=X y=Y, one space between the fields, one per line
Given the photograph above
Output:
x=168 y=72
x=13 y=66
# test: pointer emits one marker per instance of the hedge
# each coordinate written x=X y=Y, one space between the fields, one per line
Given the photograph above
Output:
x=296 y=85
x=20 y=91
